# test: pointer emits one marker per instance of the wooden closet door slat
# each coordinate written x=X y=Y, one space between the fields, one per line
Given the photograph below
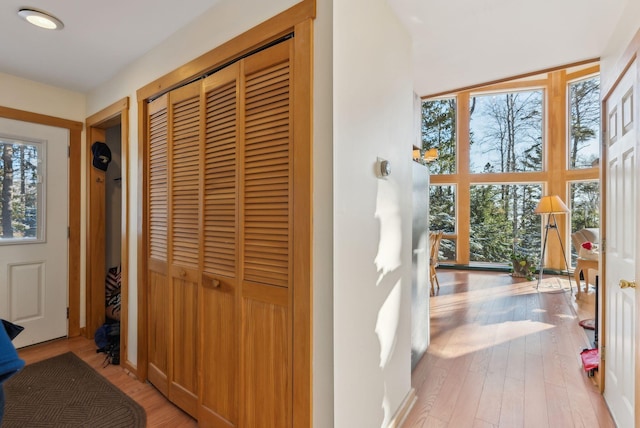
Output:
x=158 y=282
x=267 y=152
x=220 y=350
x=184 y=246
x=266 y=214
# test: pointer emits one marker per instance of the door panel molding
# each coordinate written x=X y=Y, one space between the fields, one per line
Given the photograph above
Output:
x=618 y=309
x=73 y=269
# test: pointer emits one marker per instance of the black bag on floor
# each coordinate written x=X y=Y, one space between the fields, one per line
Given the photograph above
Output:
x=12 y=329
x=107 y=338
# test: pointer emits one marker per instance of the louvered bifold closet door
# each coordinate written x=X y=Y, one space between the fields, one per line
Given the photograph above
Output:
x=157 y=263
x=184 y=243
x=266 y=205
x=219 y=292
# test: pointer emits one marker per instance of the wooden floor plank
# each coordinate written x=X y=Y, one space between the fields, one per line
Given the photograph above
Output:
x=507 y=355
x=516 y=359
x=479 y=423
x=490 y=403
x=535 y=412
x=558 y=406
x=466 y=407
x=512 y=409
x=444 y=405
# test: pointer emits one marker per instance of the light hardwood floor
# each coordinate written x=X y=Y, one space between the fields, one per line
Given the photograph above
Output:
x=501 y=355
x=504 y=355
x=160 y=412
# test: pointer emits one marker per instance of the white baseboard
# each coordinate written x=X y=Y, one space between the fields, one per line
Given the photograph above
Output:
x=403 y=411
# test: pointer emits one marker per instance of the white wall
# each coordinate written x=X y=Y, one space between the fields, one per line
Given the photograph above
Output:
x=372 y=117
x=23 y=94
x=323 y=379
x=622 y=35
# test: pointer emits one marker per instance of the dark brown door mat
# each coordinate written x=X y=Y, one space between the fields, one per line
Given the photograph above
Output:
x=64 y=391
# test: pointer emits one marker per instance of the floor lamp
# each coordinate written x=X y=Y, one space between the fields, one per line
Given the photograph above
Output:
x=552 y=205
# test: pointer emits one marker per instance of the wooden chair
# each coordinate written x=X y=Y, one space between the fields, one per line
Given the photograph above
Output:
x=434 y=242
x=583 y=264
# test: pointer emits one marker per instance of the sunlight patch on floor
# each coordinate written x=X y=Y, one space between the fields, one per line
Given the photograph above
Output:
x=448 y=302
x=474 y=337
x=566 y=316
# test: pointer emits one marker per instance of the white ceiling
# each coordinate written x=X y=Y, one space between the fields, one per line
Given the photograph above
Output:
x=459 y=43
x=456 y=42
x=99 y=38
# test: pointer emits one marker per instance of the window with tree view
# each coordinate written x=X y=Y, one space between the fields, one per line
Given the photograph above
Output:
x=20 y=187
x=502 y=147
x=503 y=222
x=584 y=204
x=584 y=104
x=506 y=132
x=442 y=216
x=439 y=132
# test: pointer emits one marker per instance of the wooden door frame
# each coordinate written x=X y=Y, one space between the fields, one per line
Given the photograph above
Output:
x=298 y=19
x=75 y=147
x=608 y=85
x=116 y=113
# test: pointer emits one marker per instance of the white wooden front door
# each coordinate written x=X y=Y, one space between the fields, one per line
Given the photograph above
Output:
x=621 y=236
x=33 y=263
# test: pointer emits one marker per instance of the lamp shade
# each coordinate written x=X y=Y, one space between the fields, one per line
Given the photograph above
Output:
x=431 y=155
x=551 y=205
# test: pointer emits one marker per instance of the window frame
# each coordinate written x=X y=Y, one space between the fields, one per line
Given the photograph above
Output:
x=555 y=173
x=41 y=199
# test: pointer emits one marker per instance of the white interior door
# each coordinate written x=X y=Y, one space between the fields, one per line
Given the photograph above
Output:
x=620 y=251
x=33 y=248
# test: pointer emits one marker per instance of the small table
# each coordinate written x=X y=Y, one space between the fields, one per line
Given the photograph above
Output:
x=583 y=265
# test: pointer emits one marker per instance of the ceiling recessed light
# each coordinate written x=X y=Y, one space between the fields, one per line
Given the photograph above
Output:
x=40 y=19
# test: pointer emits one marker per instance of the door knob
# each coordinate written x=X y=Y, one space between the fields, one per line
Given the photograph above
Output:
x=627 y=284
x=209 y=282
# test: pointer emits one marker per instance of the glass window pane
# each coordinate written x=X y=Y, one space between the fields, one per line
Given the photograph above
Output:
x=20 y=190
x=506 y=132
x=442 y=208
x=448 y=250
x=502 y=221
x=585 y=208
x=439 y=131
x=584 y=103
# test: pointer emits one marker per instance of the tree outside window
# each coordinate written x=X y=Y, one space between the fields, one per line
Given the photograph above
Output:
x=584 y=203
x=584 y=104
x=506 y=132
x=439 y=132
x=19 y=190
x=503 y=222
x=442 y=216
x=485 y=204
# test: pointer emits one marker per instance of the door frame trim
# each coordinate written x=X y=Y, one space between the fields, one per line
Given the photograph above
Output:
x=75 y=147
x=96 y=124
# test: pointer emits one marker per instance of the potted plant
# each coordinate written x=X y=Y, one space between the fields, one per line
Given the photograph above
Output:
x=524 y=265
